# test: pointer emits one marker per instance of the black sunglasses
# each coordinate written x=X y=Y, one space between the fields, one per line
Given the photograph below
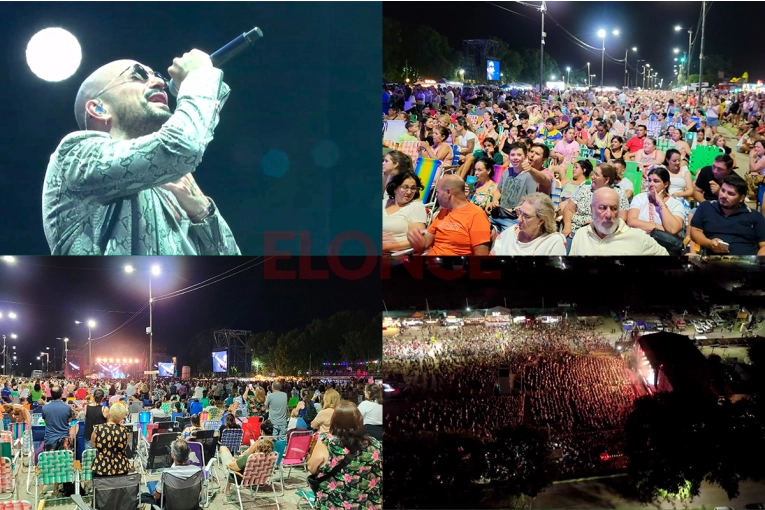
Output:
x=138 y=71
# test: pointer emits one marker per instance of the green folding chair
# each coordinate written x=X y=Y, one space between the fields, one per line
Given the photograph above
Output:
x=88 y=456
x=205 y=402
x=293 y=402
x=52 y=468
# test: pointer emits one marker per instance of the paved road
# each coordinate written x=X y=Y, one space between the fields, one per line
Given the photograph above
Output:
x=608 y=494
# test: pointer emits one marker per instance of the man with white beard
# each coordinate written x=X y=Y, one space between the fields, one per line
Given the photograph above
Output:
x=608 y=234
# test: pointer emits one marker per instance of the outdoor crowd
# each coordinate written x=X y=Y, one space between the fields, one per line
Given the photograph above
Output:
x=449 y=379
x=345 y=418
x=571 y=173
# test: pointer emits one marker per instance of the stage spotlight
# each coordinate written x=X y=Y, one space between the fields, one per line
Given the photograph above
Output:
x=124 y=360
x=53 y=54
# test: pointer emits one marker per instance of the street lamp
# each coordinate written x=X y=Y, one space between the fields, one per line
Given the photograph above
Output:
x=47 y=360
x=155 y=271
x=66 y=352
x=91 y=324
x=589 y=81
x=602 y=35
x=688 y=63
x=568 y=75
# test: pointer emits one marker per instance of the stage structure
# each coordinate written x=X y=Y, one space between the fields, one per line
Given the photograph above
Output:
x=477 y=51
x=234 y=342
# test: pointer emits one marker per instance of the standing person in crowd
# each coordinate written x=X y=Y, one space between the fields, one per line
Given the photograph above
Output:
x=276 y=402
x=57 y=416
x=305 y=410
x=95 y=414
x=256 y=401
x=756 y=175
x=111 y=440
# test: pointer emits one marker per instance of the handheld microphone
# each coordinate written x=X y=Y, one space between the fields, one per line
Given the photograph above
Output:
x=227 y=52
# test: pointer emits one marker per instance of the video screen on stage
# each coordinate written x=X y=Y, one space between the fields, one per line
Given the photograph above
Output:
x=74 y=369
x=220 y=361
x=166 y=369
x=110 y=370
x=492 y=70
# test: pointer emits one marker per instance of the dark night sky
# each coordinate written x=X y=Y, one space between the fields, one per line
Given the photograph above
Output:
x=58 y=291
x=317 y=61
x=590 y=282
x=647 y=25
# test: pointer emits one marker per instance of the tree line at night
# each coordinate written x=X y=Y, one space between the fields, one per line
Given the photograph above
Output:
x=345 y=336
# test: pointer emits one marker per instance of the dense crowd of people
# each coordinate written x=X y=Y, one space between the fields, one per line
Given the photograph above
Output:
x=343 y=414
x=568 y=380
x=508 y=170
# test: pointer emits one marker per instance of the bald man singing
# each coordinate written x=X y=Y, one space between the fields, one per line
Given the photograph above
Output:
x=123 y=184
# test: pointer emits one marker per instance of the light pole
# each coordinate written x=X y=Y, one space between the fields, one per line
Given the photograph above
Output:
x=11 y=315
x=602 y=35
x=589 y=80
x=66 y=353
x=568 y=76
x=155 y=271
x=688 y=62
x=91 y=324
x=626 y=73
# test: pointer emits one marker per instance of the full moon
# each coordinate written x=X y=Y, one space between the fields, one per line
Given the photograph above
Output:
x=53 y=54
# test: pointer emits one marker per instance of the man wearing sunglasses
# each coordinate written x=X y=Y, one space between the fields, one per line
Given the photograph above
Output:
x=123 y=184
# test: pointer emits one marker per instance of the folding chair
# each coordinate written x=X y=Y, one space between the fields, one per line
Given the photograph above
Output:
x=211 y=424
x=258 y=471
x=37 y=435
x=114 y=493
x=197 y=458
x=306 y=495
x=208 y=441
x=159 y=452
x=181 y=494
x=296 y=452
x=52 y=468
x=232 y=439
x=279 y=447
x=16 y=504
x=428 y=170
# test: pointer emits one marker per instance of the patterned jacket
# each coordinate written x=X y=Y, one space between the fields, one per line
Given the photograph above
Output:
x=101 y=196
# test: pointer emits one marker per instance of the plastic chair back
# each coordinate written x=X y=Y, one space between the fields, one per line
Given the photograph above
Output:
x=196 y=454
x=298 y=444
x=231 y=439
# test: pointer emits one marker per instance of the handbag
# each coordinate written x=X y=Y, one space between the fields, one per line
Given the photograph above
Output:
x=670 y=242
x=315 y=482
x=500 y=213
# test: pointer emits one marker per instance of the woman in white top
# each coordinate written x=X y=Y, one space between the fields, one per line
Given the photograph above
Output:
x=680 y=182
x=536 y=231
x=371 y=408
x=402 y=211
x=655 y=208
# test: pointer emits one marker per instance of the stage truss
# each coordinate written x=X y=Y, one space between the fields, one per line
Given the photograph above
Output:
x=234 y=341
x=476 y=53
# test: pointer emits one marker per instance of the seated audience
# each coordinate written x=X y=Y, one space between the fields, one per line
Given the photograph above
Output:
x=536 y=232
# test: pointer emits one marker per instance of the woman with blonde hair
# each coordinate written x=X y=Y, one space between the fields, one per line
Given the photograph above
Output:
x=536 y=232
x=321 y=422
x=256 y=402
x=111 y=440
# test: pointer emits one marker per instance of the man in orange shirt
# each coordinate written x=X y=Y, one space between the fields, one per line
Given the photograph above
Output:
x=461 y=227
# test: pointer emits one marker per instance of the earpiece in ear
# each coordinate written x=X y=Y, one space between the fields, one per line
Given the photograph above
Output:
x=100 y=110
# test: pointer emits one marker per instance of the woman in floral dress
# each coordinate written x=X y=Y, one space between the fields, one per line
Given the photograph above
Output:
x=359 y=483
